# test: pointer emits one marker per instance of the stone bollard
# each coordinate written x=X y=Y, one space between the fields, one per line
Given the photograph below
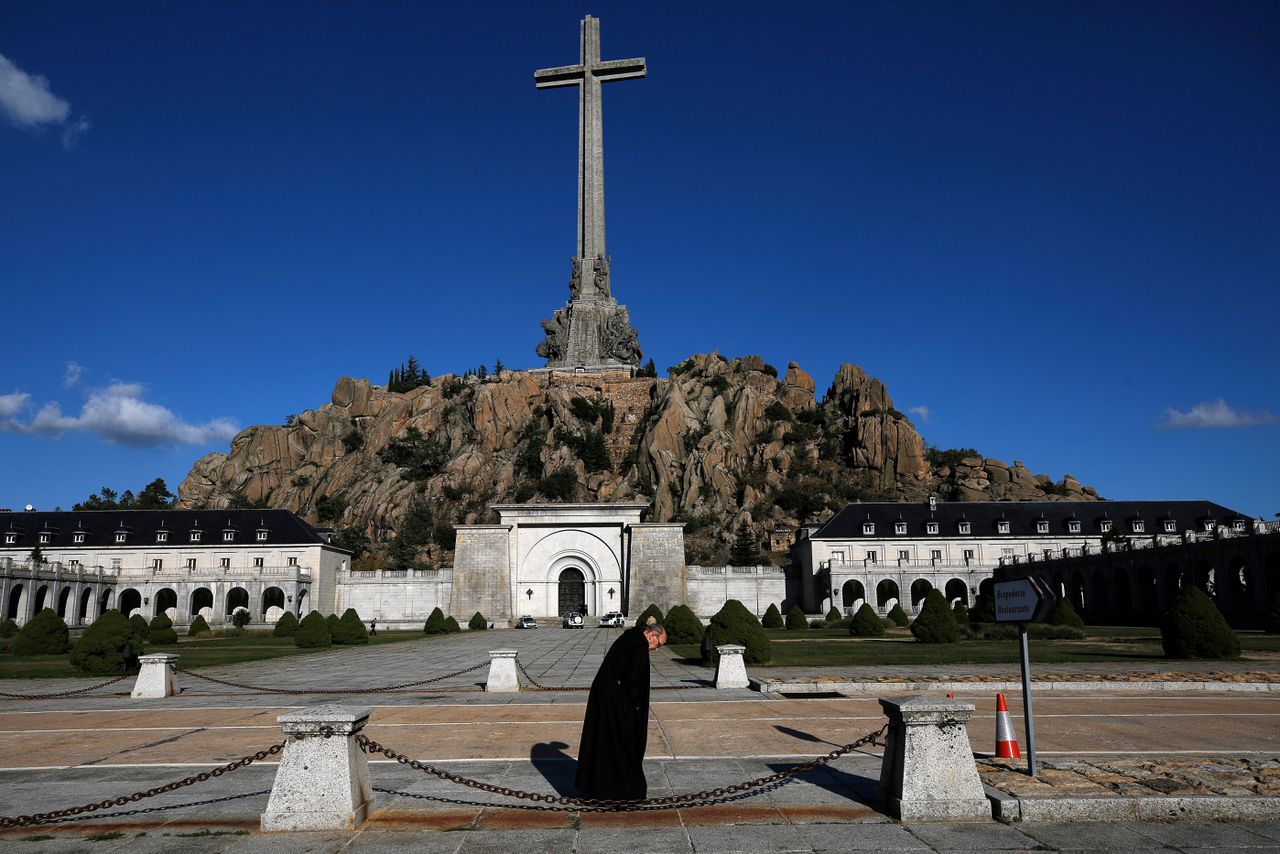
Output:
x=321 y=783
x=155 y=679
x=731 y=672
x=928 y=772
x=502 y=672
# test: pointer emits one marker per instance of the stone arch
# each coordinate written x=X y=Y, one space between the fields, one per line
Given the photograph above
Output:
x=166 y=600
x=1205 y=578
x=130 y=601
x=956 y=591
x=987 y=588
x=237 y=598
x=571 y=590
x=1148 y=597
x=42 y=595
x=272 y=604
x=852 y=595
x=1099 y=602
x=1173 y=580
x=13 y=608
x=1123 y=602
x=302 y=601
x=64 y=604
x=561 y=549
x=887 y=594
x=1237 y=581
x=86 y=602
x=1075 y=591
x=202 y=603
x=919 y=589
x=105 y=600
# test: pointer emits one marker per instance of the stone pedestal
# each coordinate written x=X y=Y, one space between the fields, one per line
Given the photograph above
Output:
x=731 y=671
x=502 y=672
x=321 y=783
x=155 y=679
x=928 y=773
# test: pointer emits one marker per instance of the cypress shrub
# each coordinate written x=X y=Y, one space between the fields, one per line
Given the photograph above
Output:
x=313 y=632
x=866 y=623
x=734 y=624
x=141 y=626
x=1271 y=622
x=451 y=625
x=161 y=629
x=796 y=619
x=100 y=650
x=8 y=629
x=961 y=612
x=477 y=623
x=682 y=625
x=198 y=627
x=332 y=621
x=834 y=615
x=1063 y=615
x=984 y=609
x=934 y=623
x=44 y=634
x=435 y=624
x=652 y=611
x=1195 y=628
x=286 y=626
x=351 y=630
x=898 y=616
x=772 y=618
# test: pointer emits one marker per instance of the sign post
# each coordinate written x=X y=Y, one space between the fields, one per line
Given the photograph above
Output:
x=1022 y=601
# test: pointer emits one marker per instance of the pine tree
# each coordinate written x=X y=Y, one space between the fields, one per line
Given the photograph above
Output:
x=498 y=367
x=743 y=552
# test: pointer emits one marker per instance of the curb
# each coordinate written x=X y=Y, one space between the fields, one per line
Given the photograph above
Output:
x=1005 y=807
x=766 y=686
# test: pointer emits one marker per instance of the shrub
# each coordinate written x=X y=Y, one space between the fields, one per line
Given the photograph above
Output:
x=984 y=609
x=141 y=626
x=682 y=625
x=8 y=629
x=1195 y=628
x=435 y=624
x=451 y=625
x=652 y=611
x=44 y=634
x=773 y=618
x=241 y=618
x=286 y=626
x=1064 y=615
x=331 y=622
x=898 y=616
x=162 y=633
x=198 y=627
x=1271 y=622
x=834 y=615
x=935 y=623
x=796 y=619
x=477 y=623
x=961 y=612
x=866 y=623
x=560 y=485
x=734 y=624
x=101 y=649
x=350 y=630
x=313 y=632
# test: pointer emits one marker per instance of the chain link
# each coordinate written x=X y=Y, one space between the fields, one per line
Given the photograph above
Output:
x=567 y=804
x=538 y=686
x=61 y=694
x=378 y=690
x=47 y=817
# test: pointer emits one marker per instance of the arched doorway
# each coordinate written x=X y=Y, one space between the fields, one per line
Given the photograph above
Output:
x=104 y=601
x=571 y=591
x=919 y=589
x=42 y=594
x=237 y=598
x=130 y=601
x=852 y=595
x=886 y=594
x=64 y=599
x=957 y=591
x=167 y=603
x=86 y=600
x=14 y=606
x=202 y=603
x=272 y=604
x=302 y=601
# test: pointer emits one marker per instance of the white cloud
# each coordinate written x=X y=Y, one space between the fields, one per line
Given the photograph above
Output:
x=73 y=131
x=1217 y=413
x=26 y=99
x=72 y=378
x=117 y=414
x=920 y=411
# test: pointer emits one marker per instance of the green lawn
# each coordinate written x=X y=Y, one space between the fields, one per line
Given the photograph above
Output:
x=193 y=653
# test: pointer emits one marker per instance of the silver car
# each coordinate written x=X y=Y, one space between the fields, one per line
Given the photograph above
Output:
x=572 y=620
x=526 y=622
x=613 y=618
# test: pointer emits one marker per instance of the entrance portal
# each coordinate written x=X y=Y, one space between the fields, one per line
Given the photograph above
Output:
x=572 y=591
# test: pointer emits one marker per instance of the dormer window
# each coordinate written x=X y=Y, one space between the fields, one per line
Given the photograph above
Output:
x=1073 y=526
x=162 y=536
x=1138 y=526
x=1209 y=525
x=1238 y=526
x=44 y=538
x=10 y=538
x=1002 y=526
x=262 y=536
x=195 y=536
x=77 y=537
x=868 y=528
x=1105 y=526
x=965 y=527
x=899 y=527
x=228 y=536
x=1170 y=526
x=122 y=536
x=1042 y=526
x=931 y=527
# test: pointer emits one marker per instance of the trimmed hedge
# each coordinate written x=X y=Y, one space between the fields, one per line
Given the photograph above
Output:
x=162 y=633
x=961 y=612
x=198 y=627
x=44 y=634
x=734 y=624
x=935 y=623
x=1063 y=615
x=983 y=610
x=898 y=616
x=141 y=626
x=451 y=625
x=435 y=624
x=100 y=650
x=796 y=619
x=866 y=623
x=772 y=618
x=331 y=622
x=652 y=611
x=477 y=623
x=834 y=615
x=8 y=629
x=286 y=626
x=1195 y=628
x=350 y=630
x=682 y=625
x=313 y=632
x=1271 y=622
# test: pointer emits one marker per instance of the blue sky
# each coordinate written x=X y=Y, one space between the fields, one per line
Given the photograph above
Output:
x=1050 y=228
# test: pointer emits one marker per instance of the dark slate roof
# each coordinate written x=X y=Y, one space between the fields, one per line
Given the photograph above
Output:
x=100 y=527
x=1022 y=517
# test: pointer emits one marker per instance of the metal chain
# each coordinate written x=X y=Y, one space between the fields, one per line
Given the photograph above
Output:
x=538 y=686
x=560 y=803
x=46 y=817
x=379 y=690
x=60 y=694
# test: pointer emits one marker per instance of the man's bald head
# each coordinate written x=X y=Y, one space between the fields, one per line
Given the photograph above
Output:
x=656 y=635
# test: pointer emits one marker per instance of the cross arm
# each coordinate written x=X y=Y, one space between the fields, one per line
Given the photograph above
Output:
x=620 y=69
x=564 y=75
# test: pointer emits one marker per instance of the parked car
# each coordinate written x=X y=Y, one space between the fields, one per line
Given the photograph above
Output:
x=572 y=620
x=526 y=622
x=613 y=618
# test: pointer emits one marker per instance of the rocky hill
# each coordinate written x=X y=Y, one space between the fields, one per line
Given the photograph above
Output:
x=719 y=443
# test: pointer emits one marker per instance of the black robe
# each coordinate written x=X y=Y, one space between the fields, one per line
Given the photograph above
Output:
x=616 y=727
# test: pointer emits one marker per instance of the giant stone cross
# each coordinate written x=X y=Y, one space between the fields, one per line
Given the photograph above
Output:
x=592 y=330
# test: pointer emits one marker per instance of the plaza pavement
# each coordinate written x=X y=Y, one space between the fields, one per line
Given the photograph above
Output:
x=70 y=751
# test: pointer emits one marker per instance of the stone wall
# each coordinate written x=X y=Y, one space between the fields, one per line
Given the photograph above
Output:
x=399 y=599
x=756 y=587
x=482 y=576
x=657 y=566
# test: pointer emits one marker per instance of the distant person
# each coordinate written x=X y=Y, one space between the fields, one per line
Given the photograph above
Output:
x=373 y=627
x=615 y=729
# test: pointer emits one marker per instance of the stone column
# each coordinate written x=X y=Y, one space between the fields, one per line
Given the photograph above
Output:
x=731 y=672
x=155 y=678
x=928 y=772
x=322 y=782
x=502 y=672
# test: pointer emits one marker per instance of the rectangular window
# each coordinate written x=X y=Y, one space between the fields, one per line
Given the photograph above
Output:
x=157 y=563
x=1074 y=526
x=965 y=527
x=191 y=563
x=1006 y=552
x=1104 y=526
x=10 y=539
x=115 y=563
x=1042 y=526
x=968 y=554
x=257 y=562
x=899 y=527
x=1139 y=526
x=1002 y=527
x=121 y=536
x=162 y=536
x=871 y=557
x=868 y=528
x=293 y=561
x=44 y=539
x=195 y=536
x=931 y=527
x=77 y=537
x=903 y=554
x=935 y=554
x=228 y=536
x=224 y=563
x=73 y=563
x=262 y=536
x=837 y=557
x=1170 y=526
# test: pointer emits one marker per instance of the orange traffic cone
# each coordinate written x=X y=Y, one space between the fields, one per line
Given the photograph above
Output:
x=1006 y=741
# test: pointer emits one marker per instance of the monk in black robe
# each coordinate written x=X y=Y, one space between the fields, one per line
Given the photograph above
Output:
x=616 y=727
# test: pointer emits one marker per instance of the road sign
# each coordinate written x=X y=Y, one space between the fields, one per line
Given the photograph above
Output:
x=1023 y=600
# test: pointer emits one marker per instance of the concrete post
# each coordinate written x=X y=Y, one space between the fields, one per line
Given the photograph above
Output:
x=731 y=672
x=321 y=783
x=155 y=679
x=928 y=772
x=502 y=672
